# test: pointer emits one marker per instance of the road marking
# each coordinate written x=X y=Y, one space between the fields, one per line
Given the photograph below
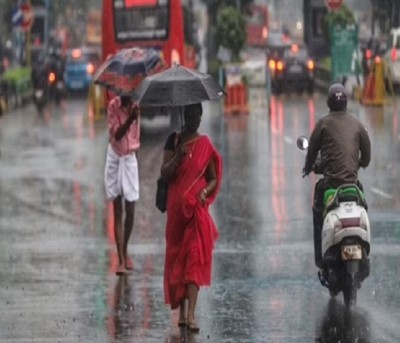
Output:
x=381 y=193
x=288 y=139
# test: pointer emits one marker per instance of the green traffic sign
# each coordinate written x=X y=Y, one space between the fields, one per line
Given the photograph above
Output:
x=344 y=42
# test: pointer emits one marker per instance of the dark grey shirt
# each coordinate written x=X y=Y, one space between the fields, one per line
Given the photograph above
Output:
x=344 y=144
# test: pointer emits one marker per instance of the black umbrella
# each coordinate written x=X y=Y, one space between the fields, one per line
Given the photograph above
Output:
x=177 y=86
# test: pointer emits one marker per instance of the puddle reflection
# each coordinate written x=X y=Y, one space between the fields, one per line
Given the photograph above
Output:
x=339 y=325
x=121 y=322
x=184 y=336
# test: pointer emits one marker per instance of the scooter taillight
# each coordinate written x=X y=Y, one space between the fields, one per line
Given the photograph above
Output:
x=350 y=222
x=52 y=77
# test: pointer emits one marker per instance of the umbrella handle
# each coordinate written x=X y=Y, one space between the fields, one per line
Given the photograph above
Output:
x=182 y=117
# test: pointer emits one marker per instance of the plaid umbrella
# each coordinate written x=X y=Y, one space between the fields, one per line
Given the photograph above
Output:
x=124 y=71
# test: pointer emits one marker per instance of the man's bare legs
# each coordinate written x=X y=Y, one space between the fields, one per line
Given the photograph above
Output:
x=118 y=234
x=122 y=236
x=128 y=226
x=192 y=291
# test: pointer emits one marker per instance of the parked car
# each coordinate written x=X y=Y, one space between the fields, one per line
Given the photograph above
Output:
x=392 y=58
x=292 y=68
x=80 y=67
x=277 y=42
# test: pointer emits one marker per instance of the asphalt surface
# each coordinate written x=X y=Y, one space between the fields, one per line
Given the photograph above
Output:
x=58 y=257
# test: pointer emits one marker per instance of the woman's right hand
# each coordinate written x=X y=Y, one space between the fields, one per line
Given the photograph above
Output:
x=180 y=152
x=134 y=111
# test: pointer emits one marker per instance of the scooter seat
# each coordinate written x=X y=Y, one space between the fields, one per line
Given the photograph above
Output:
x=334 y=196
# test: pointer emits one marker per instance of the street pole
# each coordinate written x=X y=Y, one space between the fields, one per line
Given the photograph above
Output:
x=396 y=14
x=46 y=27
x=28 y=43
x=373 y=19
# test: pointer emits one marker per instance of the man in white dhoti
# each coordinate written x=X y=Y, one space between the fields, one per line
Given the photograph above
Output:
x=121 y=172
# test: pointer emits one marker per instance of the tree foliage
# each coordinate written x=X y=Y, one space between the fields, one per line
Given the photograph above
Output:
x=231 y=30
x=343 y=17
x=214 y=5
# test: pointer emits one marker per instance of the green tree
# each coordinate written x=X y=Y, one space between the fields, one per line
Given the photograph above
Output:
x=343 y=17
x=231 y=30
x=213 y=8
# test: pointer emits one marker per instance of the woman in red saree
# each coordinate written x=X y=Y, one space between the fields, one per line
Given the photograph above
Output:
x=193 y=167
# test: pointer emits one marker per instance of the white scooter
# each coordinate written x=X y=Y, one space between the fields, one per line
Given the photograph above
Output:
x=345 y=239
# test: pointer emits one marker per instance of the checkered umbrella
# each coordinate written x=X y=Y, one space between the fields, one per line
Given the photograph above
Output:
x=124 y=71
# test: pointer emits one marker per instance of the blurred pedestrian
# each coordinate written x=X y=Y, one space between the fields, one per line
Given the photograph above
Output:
x=193 y=168
x=121 y=172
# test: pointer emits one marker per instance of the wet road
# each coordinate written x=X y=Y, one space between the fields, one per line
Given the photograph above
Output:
x=58 y=258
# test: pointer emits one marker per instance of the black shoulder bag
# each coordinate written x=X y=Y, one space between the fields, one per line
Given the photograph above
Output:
x=162 y=187
x=162 y=194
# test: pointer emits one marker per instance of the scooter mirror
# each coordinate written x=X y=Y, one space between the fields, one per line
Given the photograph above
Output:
x=302 y=143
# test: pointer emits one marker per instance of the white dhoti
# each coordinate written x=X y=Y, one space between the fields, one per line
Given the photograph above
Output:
x=121 y=176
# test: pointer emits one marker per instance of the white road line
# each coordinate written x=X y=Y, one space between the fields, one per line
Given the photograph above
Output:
x=381 y=193
x=288 y=139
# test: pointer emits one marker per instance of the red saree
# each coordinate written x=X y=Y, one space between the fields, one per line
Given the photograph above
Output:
x=190 y=230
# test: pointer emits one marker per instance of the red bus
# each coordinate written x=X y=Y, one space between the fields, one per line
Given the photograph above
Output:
x=257 y=26
x=166 y=25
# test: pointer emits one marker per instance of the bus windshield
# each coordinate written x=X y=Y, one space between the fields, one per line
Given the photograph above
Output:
x=141 y=20
x=257 y=18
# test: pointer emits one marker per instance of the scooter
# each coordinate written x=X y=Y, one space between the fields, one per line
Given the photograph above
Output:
x=56 y=86
x=40 y=94
x=345 y=239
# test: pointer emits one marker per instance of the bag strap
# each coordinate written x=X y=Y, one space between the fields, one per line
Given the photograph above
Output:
x=177 y=137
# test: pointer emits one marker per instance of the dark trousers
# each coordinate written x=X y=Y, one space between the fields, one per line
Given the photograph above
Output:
x=318 y=211
x=318 y=220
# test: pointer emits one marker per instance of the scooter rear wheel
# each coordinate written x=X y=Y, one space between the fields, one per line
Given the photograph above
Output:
x=350 y=291
x=332 y=293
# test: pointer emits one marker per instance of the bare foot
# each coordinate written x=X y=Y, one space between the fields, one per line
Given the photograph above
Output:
x=192 y=325
x=120 y=269
x=182 y=322
x=128 y=263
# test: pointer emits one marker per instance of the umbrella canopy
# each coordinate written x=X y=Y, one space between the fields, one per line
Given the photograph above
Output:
x=124 y=71
x=177 y=86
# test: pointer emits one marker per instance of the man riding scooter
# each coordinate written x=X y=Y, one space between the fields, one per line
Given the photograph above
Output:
x=339 y=137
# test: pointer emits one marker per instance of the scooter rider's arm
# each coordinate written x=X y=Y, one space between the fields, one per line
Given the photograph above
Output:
x=365 y=148
x=313 y=148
